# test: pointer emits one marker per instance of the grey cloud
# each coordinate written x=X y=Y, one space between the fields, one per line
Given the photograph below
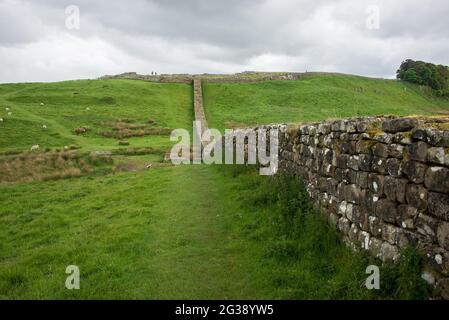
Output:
x=218 y=36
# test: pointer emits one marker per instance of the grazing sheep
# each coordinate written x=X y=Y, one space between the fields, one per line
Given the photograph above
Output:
x=87 y=109
x=35 y=147
x=42 y=103
x=66 y=148
x=44 y=126
x=1 y=119
x=7 y=109
x=80 y=130
x=149 y=166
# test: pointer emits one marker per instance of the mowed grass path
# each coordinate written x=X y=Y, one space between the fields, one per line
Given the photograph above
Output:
x=313 y=98
x=157 y=234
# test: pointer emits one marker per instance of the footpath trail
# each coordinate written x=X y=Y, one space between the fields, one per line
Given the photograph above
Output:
x=170 y=233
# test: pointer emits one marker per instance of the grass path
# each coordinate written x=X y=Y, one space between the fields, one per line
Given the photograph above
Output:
x=160 y=234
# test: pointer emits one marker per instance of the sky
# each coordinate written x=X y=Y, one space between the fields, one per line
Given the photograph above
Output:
x=53 y=40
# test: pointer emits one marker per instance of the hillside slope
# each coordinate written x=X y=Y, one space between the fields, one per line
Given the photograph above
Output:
x=47 y=113
x=314 y=97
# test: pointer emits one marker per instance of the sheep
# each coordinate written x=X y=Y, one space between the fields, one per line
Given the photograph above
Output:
x=80 y=130
x=44 y=126
x=35 y=147
x=1 y=119
x=42 y=103
x=66 y=148
x=87 y=109
x=7 y=109
x=149 y=166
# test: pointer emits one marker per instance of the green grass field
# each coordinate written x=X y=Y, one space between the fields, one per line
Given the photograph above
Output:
x=175 y=233
x=209 y=232
x=93 y=104
x=314 y=98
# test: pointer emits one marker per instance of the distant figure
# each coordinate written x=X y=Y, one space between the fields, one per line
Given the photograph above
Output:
x=151 y=72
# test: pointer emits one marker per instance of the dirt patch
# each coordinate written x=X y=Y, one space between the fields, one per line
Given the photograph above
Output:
x=32 y=166
x=125 y=129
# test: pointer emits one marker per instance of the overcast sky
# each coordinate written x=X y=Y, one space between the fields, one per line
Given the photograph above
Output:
x=40 y=39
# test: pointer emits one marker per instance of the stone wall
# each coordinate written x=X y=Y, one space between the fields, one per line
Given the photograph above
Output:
x=382 y=181
x=188 y=78
x=198 y=104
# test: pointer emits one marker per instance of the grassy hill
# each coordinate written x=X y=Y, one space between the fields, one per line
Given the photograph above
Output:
x=313 y=98
x=174 y=232
x=99 y=106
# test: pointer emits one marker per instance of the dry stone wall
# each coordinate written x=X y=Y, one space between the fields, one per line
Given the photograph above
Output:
x=382 y=181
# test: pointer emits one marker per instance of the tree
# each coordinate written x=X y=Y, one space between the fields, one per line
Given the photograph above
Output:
x=427 y=74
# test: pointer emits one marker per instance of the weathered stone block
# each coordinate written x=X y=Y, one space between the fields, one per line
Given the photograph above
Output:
x=394 y=167
x=375 y=226
x=362 y=126
x=443 y=235
x=394 y=189
x=380 y=150
x=403 y=138
x=415 y=171
x=379 y=165
x=436 y=155
x=427 y=226
x=399 y=125
x=344 y=225
x=407 y=216
x=352 y=193
x=349 y=212
x=363 y=146
x=416 y=196
x=389 y=252
x=348 y=147
x=353 y=162
x=342 y=160
x=376 y=183
x=362 y=179
x=342 y=208
x=396 y=150
x=365 y=161
x=386 y=210
x=437 y=179
x=418 y=151
x=438 y=204
x=391 y=234
x=383 y=137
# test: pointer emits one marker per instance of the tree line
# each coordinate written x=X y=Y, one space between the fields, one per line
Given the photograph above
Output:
x=425 y=73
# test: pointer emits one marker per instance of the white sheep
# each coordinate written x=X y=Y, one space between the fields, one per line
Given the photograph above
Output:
x=42 y=103
x=7 y=109
x=44 y=126
x=1 y=119
x=66 y=148
x=87 y=109
x=35 y=147
x=149 y=166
